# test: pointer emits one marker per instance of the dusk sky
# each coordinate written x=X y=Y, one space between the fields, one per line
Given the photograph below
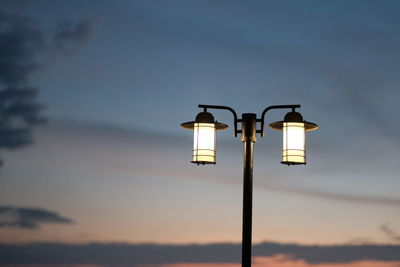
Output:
x=106 y=161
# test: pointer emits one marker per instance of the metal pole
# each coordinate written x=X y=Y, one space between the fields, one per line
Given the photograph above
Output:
x=248 y=139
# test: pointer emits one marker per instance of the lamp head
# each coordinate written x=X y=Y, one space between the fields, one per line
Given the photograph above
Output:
x=294 y=139
x=204 y=139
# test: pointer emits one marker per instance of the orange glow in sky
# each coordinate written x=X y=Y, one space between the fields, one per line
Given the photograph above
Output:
x=285 y=261
x=275 y=261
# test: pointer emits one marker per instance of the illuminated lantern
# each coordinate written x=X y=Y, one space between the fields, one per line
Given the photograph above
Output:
x=294 y=139
x=204 y=138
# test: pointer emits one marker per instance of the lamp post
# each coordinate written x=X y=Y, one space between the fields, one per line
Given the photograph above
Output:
x=293 y=152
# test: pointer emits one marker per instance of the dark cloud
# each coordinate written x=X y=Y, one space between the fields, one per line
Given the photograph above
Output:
x=132 y=254
x=31 y=218
x=18 y=114
x=20 y=46
x=23 y=48
x=390 y=233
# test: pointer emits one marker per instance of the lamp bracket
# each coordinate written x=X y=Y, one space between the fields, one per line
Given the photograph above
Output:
x=235 y=119
x=293 y=107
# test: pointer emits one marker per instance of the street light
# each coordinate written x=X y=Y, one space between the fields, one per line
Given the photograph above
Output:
x=293 y=153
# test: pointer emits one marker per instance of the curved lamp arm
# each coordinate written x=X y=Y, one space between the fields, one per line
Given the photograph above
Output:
x=273 y=107
x=235 y=119
x=262 y=119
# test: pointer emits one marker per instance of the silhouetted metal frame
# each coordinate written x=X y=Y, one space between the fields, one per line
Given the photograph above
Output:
x=235 y=119
x=249 y=132
x=293 y=107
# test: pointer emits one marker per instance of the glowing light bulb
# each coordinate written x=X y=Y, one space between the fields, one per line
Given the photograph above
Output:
x=204 y=143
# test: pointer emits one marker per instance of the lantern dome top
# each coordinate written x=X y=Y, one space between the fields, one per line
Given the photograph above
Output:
x=205 y=117
x=294 y=116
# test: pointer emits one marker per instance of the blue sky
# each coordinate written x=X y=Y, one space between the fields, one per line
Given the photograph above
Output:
x=114 y=160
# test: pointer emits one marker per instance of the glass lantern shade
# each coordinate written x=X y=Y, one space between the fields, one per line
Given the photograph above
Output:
x=204 y=138
x=294 y=141
x=204 y=143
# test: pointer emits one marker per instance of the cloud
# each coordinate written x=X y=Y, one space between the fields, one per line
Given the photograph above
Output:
x=20 y=45
x=23 y=47
x=390 y=233
x=69 y=37
x=30 y=218
x=133 y=254
x=363 y=199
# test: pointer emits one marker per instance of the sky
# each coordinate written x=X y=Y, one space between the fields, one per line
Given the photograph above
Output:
x=92 y=95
